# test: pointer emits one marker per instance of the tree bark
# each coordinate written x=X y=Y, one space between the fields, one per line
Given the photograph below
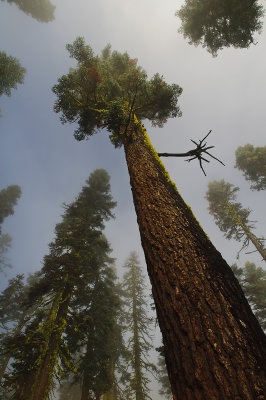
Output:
x=44 y=377
x=214 y=345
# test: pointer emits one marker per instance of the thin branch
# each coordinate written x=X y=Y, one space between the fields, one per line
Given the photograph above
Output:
x=195 y=153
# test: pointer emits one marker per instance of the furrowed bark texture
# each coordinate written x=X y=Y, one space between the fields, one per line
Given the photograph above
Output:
x=214 y=346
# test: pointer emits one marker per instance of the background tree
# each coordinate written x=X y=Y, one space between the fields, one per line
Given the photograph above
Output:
x=42 y=10
x=231 y=217
x=139 y=322
x=95 y=334
x=10 y=312
x=252 y=161
x=195 y=291
x=219 y=24
x=11 y=72
x=5 y=243
x=253 y=282
x=8 y=199
x=13 y=316
x=165 y=390
x=77 y=252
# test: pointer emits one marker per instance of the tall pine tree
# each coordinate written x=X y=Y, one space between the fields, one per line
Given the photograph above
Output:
x=77 y=253
x=231 y=217
x=194 y=290
x=139 y=324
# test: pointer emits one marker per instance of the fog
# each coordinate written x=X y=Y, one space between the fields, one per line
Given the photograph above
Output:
x=225 y=94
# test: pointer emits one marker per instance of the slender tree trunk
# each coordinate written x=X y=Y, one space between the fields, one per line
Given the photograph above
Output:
x=43 y=377
x=215 y=348
x=256 y=243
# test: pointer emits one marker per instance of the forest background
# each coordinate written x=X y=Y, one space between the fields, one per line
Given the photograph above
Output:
x=225 y=94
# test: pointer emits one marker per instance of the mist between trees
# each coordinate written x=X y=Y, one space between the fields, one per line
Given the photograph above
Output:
x=72 y=321
x=71 y=317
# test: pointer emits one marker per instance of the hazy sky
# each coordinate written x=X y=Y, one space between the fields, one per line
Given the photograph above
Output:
x=225 y=94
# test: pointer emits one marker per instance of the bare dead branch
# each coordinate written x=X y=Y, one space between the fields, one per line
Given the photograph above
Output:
x=195 y=153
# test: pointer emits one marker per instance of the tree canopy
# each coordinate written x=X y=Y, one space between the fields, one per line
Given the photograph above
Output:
x=252 y=161
x=77 y=257
x=219 y=24
x=230 y=216
x=42 y=10
x=11 y=73
x=105 y=91
x=8 y=199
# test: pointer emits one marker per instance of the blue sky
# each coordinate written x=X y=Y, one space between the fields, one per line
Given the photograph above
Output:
x=225 y=94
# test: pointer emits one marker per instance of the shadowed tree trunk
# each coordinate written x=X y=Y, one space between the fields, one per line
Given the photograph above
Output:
x=214 y=346
x=44 y=377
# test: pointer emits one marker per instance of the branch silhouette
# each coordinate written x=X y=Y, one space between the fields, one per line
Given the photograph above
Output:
x=195 y=153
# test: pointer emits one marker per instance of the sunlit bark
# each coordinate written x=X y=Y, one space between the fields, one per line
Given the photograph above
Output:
x=214 y=346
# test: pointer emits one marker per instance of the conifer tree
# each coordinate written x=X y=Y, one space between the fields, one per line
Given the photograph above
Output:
x=163 y=380
x=42 y=10
x=253 y=283
x=219 y=24
x=9 y=314
x=194 y=289
x=77 y=253
x=8 y=199
x=98 y=336
x=139 y=324
x=94 y=336
x=231 y=217
x=13 y=316
x=252 y=162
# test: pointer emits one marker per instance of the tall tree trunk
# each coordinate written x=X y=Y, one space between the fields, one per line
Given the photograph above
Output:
x=256 y=243
x=43 y=378
x=214 y=345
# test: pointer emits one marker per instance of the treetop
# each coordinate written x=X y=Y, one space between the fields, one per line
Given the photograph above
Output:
x=105 y=91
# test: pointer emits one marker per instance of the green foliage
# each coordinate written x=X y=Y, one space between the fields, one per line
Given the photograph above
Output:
x=228 y=214
x=11 y=73
x=5 y=243
x=105 y=91
x=42 y=10
x=163 y=379
x=253 y=282
x=13 y=317
x=231 y=217
x=219 y=24
x=8 y=199
x=97 y=339
x=138 y=329
x=252 y=161
x=77 y=255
